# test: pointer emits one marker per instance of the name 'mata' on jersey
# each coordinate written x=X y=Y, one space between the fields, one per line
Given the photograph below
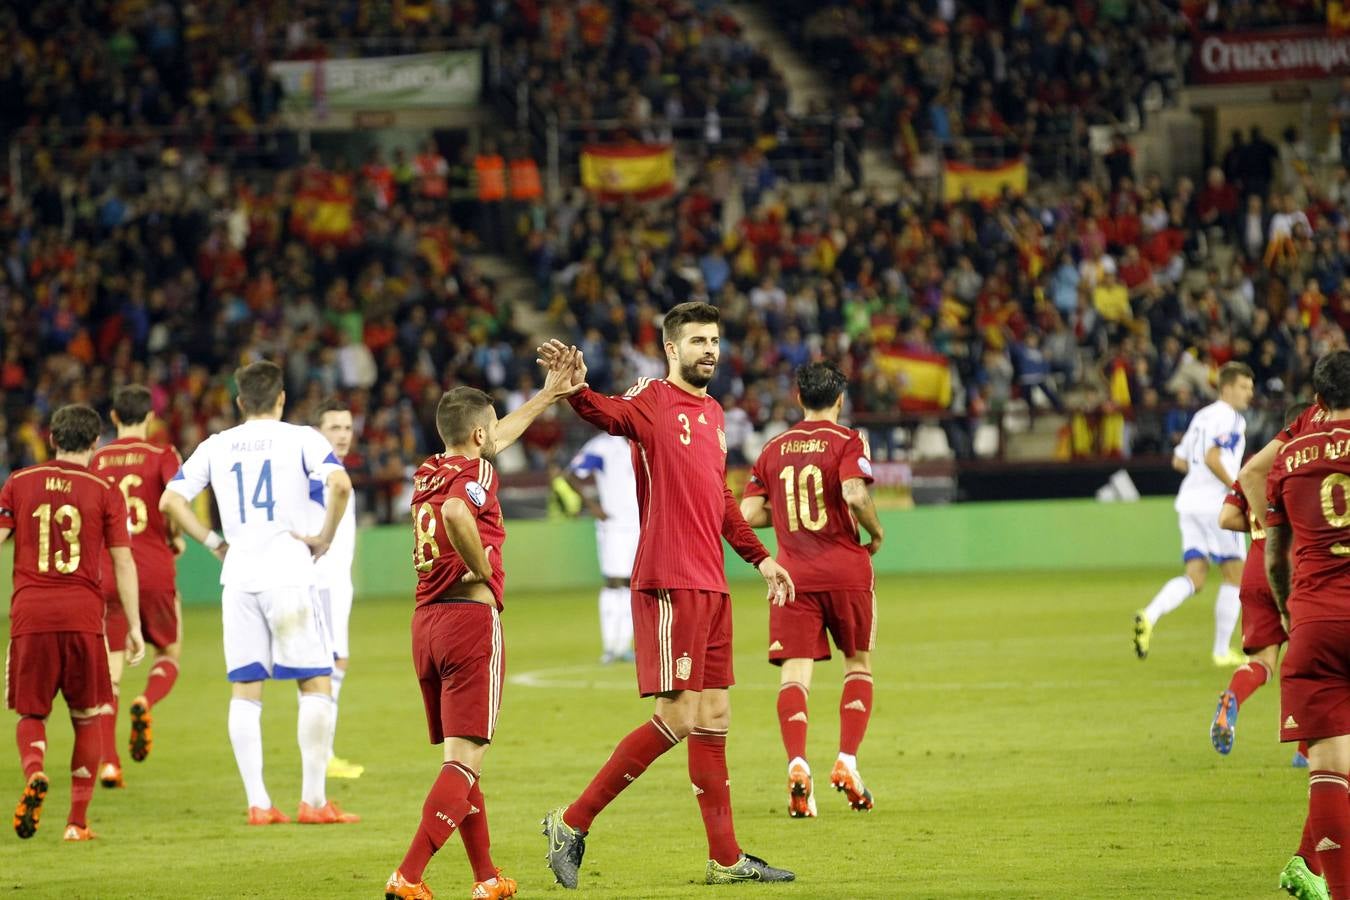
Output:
x=801 y=473
x=685 y=505
x=141 y=471
x=1217 y=425
x=260 y=474
x=439 y=568
x=1308 y=489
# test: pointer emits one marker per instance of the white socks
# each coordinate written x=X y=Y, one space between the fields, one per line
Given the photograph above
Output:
x=849 y=760
x=314 y=730
x=616 y=620
x=246 y=738
x=1172 y=595
x=1226 y=609
x=337 y=677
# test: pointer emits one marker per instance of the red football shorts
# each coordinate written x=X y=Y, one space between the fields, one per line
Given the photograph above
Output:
x=682 y=640
x=1315 y=682
x=801 y=629
x=1261 y=625
x=72 y=662
x=160 y=624
x=461 y=664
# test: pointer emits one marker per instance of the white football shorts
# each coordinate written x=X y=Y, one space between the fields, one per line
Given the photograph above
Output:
x=336 y=600
x=278 y=633
x=1202 y=538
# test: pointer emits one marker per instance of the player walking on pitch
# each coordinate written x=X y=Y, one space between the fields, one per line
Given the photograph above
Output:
x=810 y=483
x=140 y=470
x=62 y=516
x=1210 y=454
x=334 y=569
x=259 y=472
x=681 y=608
x=457 y=646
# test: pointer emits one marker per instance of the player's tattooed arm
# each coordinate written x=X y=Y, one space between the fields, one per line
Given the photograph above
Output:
x=859 y=500
x=461 y=527
x=1253 y=476
x=1278 y=567
x=756 y=511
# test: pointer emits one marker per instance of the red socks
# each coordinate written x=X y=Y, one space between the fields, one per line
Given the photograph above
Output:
x=1247 y=679
x=83 y=766
x=161 y=680
x=1307 y=848
x=629 y=760
x=1329 y=822
x=446 y=806
x=712 y=786
x=855 y=708
x=32 y=736
x=107 y=727
x=474 y=831
x=792 y=718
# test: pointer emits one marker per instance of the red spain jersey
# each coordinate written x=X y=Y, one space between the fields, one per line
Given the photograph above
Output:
x=1254 y=569
x=140 y=470
x=801 y=473
x=439 y=567
x=1309 y=491
x=1313 y=418
x=684 y=505
x=64 y=518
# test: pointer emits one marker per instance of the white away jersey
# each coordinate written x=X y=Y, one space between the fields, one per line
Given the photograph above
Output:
x=609 y=460
x=260 y=472
x=335 y=566
x=1217 y=425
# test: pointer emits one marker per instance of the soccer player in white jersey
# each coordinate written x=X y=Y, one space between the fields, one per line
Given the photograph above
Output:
x=259 y=472
x=1210 y=453
x=608 y=460
x=333 y=419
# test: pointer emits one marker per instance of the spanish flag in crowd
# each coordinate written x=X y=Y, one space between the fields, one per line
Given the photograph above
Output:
x=642 y=171
x=984 y=184
x=925 y=378
x=323 y=210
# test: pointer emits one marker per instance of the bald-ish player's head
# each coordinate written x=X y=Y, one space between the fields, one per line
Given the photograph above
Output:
x=132 y=405
x=1236 y=385
x=262 y=390
x=333 y=419
x=1331 y=380
x=75 y=429
x=467 y=422
x=692 y=338
x=820 y=388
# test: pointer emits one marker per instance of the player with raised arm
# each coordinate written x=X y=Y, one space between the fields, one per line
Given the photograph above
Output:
x=457 y=647
x=810 y=484
x=141 y=470
x=259 y=472
x=62 y=517
x=1210 y=454
x=681 y=607
x=607 y=460
x=333 y=419
x=1308 y=512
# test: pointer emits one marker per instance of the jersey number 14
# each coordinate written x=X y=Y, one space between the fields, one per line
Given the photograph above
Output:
x=262 y=491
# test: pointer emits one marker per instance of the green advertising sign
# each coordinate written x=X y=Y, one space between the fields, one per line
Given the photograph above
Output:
x=449 y=78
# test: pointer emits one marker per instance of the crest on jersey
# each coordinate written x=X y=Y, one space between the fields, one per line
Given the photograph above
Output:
x=722 y=440
x=865 y=466
x=476 y=493
x=684 y=666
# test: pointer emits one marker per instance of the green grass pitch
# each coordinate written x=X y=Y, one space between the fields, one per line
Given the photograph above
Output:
x=1018 y=749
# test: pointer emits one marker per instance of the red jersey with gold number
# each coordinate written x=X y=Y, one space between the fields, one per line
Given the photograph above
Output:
x=684 y=504
x=439 y=568
x=140 y=470
x=63 y=518
x=801 y=473
x=1314 y=418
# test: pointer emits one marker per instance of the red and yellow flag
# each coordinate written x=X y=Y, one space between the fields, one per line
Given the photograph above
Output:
x=982 y=184
x=925 y=378
x=643 y=171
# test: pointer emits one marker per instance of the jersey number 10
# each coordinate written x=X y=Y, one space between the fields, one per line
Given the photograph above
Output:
x=262 y=491
x=800 y=489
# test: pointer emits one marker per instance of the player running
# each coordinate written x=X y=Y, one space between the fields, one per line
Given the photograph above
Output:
x=333 y=419
x=681 y=609
x=1210 y=454
x=259 y=472
x=810 y=483
x=458 y=533
x=140 y=470
x=608 y=460
x=62 y=517
x=1308 y=510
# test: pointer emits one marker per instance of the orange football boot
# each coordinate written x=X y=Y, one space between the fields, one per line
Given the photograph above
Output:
x=400 y=888
x=801 y=795
x=259 y=816
x=75 y=833
x=505 y=887
x=847 y=781
x=29 y=810
x=328 y=814
x=110 y=776
x=141 y=736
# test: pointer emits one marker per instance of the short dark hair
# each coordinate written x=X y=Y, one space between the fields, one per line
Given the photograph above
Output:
x=819 y=384
x=260 y=384
x=691 y=313
x=1294 y=410
x=1331 y=379
x=75 y=428
x=1232 y=371
x=132 y=404
x=331 y=404
x=459 y=412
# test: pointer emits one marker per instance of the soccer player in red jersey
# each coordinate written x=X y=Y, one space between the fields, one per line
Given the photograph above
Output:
x=140 y=470
x=62 y=516
x=681 y=607
x=1308 y=509
x=810 y=483
x=457 y=649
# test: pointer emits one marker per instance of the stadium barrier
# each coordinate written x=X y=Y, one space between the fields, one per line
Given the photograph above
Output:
x=970 y=537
